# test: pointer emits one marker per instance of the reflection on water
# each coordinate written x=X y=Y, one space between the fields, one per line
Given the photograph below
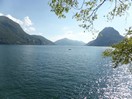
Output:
x=119 y=84
x=54 y=72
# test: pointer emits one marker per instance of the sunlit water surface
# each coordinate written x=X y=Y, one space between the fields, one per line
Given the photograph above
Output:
x=55 y=72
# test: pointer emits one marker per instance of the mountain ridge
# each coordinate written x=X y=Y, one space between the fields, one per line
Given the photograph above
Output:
x=12 y=33
x=66 y=41
x=107 y=37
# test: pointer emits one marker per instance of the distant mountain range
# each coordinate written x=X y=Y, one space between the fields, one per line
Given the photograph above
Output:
x=12 y=33
x=107 y=37
x=66 y=41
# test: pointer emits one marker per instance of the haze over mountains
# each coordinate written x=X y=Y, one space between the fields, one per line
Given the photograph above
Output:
x=66 y=41
x=12 y=33
x=107 y=37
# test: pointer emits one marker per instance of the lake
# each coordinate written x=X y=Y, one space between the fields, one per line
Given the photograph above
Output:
x=61 y=72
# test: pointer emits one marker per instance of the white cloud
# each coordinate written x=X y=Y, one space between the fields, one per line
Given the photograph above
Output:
x=14 y=19
x=68 y=32
x=1 y=14
x=32 y=29
x=29 y=30
x=27 y=21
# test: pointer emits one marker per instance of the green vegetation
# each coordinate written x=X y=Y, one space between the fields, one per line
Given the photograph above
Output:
x=12 y=33
x=107 y=37
x=121 y=52
x=87 y=14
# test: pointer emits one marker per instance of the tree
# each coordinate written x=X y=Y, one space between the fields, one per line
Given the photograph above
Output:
x=87 y=13
x=121 y=52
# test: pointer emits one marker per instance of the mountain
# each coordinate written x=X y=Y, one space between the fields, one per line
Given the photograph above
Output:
x=43 y=40
x=66 y=41
x=107 y=37
x=12 y=33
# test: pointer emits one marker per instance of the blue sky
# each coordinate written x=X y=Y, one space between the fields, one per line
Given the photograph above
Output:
x=35 y=18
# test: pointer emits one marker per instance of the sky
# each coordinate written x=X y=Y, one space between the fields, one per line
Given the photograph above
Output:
x=35 y=17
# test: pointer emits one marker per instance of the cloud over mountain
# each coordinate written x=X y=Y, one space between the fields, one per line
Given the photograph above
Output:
x=25 y=23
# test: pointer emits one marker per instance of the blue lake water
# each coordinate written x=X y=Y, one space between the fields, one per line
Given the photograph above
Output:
x=55 y=72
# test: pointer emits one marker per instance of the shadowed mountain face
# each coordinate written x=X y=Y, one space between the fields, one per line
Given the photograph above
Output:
x=107 y=37
x=12 y=33
x=43 y=40
x=66 y=41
